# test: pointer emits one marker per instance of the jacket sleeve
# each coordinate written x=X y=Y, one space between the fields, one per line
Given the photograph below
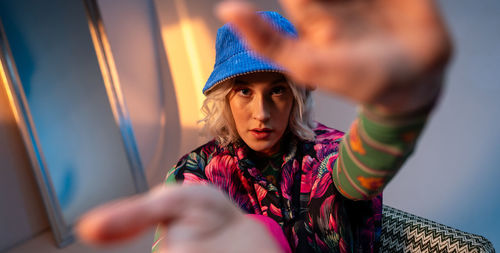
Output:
x=373 y=150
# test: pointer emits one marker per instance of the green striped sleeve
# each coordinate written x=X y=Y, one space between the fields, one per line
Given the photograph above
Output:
x=170 y=178
x=373 y=150
x=156 y=244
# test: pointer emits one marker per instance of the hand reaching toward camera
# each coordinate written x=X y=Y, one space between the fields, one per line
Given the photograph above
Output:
x=390 y=54
x=194 y=219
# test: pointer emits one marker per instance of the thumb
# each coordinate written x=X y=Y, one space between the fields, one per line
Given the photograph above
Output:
x=300 y=61
x=255 y=30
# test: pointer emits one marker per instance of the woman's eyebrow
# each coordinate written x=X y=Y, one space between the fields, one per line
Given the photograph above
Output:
x=279 y=80
x=240 y=82
x=276 y=81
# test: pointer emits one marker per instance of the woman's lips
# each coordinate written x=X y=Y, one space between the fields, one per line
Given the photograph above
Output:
x=261 y=133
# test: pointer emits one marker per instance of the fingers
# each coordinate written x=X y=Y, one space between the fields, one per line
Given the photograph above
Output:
x=307 y=62
x=111 y=223
x=259 y=34
x=129 y=217
x=119 y=220
x=264 y=39
x=301 y=10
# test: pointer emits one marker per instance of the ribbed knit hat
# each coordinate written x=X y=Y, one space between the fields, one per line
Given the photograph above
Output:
x=233 y=58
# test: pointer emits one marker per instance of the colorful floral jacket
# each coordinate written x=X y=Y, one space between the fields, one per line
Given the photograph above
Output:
x=304 y=201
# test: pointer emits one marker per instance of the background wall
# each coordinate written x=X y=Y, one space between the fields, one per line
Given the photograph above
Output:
x=79 y=139
x=453 y=176
x=134 y=35
x=21 y=211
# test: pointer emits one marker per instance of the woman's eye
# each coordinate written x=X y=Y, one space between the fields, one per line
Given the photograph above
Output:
x=278 y=90
x=243 y=92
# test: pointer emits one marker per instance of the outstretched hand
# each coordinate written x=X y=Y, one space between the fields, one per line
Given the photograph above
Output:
x=193 y=218
x=386 y=53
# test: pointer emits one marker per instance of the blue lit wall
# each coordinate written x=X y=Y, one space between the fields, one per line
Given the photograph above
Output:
x=58 y=68
x=454 y=175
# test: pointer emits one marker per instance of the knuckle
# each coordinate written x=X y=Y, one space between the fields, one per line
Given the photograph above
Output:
x=307 y=70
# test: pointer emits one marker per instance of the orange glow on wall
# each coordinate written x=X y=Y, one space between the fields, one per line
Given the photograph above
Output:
x=189 y=47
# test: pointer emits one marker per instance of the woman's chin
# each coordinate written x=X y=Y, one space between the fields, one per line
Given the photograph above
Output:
x=264 y=148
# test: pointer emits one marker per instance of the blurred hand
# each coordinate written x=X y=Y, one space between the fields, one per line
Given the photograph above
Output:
x=387 y=53
x=193 y=218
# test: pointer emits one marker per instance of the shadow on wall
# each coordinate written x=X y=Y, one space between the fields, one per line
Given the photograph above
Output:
x=22 y=212
x=169 y=138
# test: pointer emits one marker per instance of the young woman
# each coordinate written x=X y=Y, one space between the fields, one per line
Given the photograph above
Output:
x=294 y=184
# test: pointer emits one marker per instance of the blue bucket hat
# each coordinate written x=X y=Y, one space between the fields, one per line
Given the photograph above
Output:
x=233 y=58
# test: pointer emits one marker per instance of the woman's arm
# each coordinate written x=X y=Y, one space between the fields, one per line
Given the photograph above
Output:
x=373 y=150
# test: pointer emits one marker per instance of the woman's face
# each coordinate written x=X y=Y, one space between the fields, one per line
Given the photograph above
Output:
x=261 y=103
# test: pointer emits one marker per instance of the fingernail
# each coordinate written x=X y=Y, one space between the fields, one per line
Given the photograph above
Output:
x=222 y=8
x=225 y=9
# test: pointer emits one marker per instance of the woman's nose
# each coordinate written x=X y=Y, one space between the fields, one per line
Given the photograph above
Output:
x=261 y=109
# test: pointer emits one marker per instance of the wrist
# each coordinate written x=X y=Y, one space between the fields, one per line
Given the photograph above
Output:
x=382 y=114
x=415 y=103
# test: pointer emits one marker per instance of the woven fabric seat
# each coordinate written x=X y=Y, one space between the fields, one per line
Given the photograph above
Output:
x=404 y=232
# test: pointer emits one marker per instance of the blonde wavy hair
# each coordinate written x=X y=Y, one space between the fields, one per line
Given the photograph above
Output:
x=218 y=120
